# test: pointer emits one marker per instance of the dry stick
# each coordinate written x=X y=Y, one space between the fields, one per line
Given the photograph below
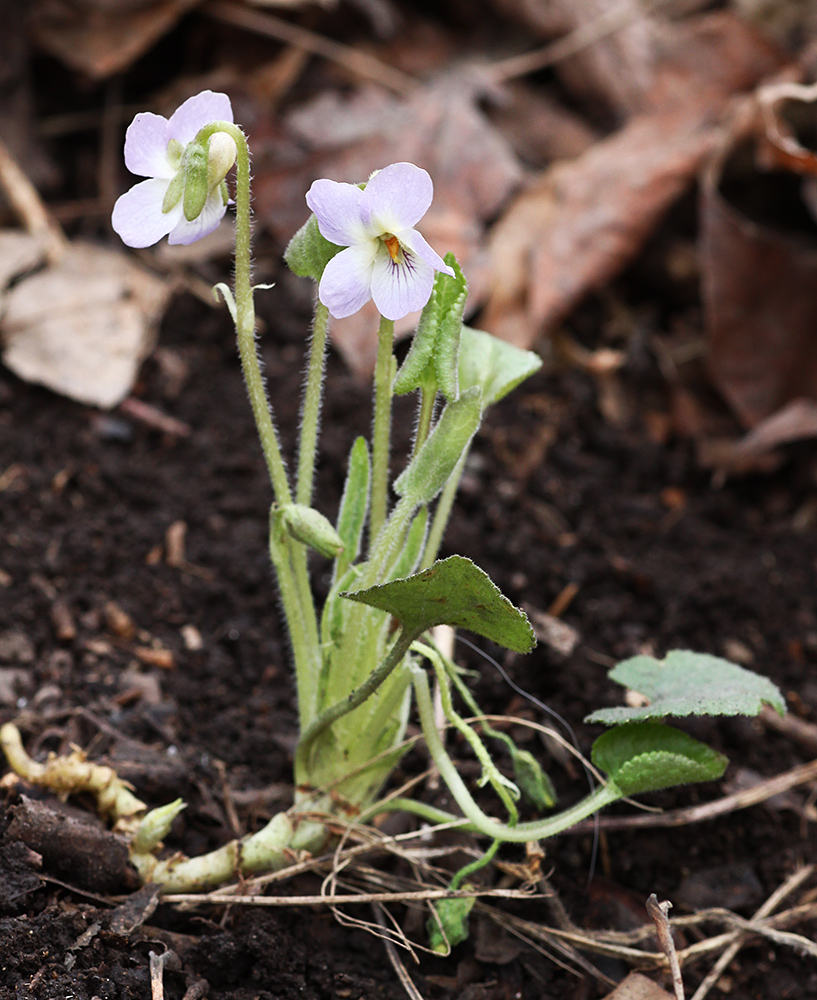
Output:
x=357 y=62
x=394 y=958
x=790 y=885
x=28 y=205
x=343 y=899
x=767 y=789
x=611 y=21
x=157 y=964
x=789 y=725
x=658 y=913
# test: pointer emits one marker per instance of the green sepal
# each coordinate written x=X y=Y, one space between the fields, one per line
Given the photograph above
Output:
x=354 y=506
x=494 y=365
x=432 y=466
x=432 y=360
x=175 y=189
x=450 y=926
x=452 y=591
x=309 y=252
x=307 y=525
x=196 y=189
x=646 y=756
x=689 y=683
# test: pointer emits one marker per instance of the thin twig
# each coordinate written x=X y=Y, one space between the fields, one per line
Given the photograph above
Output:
x=658 y=913
x=767 y=789
x=394 y=957
x=789 y=886
x=608 y=23
x=26 y=202
x=343 y=899
x=357 y=62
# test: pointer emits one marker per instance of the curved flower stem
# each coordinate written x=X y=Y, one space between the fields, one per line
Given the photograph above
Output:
x=312 y=406
x=299 y=604
x=523 y=832
x=381 y=433
x=245 y=311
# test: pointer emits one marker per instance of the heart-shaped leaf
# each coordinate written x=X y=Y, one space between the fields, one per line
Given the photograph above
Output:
x=688 y=683
x=456 y=592
x=645 y=756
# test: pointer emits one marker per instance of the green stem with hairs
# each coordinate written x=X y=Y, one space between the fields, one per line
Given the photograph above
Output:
x=312 y=406
x=299 y=605
x=478 y=820
x=381 y=433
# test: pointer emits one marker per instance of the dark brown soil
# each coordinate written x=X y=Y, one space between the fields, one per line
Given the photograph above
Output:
x=659 y=556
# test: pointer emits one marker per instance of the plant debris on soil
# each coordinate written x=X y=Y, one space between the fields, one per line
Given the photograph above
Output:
x=139 y=618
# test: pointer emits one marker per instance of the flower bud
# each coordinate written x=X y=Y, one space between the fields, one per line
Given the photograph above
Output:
x=195 y=181
x=312 y=528
x=221 y=154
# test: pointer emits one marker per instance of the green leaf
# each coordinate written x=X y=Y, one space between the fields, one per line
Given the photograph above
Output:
x=354 y=505
x=687 y=683
x=452 y=591
x=412 y=547
x=308 y=252
x=431 y=467
x=645 y=756
x=450 y=927
x=432 y=359
x=494 y=365
x=533 y=782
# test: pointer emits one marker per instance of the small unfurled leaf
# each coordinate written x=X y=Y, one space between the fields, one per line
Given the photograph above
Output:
x=450 y=927
x=309 y=526
x=646 y=756
x=309 y=252
x=433 y=357
x=533 y=782
x=494 y=365
x=452 y=592
x=431 y=467
x=353 y=506
x=688 y=683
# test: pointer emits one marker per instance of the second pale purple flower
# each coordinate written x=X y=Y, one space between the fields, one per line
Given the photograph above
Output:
x=385 y=259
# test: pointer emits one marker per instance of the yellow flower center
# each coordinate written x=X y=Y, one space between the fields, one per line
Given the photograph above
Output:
x=393 y=246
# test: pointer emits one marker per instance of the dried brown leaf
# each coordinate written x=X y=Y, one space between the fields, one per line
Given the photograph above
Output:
x=760 y=307
x=582 y=221
x=103 y=38
x=83 y=327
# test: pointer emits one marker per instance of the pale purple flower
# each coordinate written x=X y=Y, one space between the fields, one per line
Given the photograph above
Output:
x=385 y=259
x=155 y=148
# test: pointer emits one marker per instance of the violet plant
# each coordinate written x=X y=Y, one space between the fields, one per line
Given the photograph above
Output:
x=364 y=658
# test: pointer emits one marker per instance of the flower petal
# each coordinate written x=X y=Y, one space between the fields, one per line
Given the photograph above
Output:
x=337 y=209
x=401 y=288
x=396 y=198
x=417 y=244
x=206 y=221
x=346 y=284
x=196 y=112
x=138 y=218
x=146 y=146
